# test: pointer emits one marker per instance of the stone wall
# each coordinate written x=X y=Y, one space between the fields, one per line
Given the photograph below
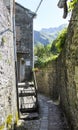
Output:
x=42 y=81
x=62 y=79
x=8 y=106
x=68 y=72
x=47 y=80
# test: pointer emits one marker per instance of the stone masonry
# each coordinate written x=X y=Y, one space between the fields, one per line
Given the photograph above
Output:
x=47 y=80
x=8 y=109
x=62 y=80
x=68 y=72
x=24 y=41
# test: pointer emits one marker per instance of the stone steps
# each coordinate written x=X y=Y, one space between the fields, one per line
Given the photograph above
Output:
x=28 y=110
x=27 y=94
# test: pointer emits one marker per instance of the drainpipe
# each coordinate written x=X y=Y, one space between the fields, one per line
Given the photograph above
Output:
x=33 y=45
x=15 y=55
x=33 y=38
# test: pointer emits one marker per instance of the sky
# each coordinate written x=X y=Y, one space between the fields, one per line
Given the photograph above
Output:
x=48 y=15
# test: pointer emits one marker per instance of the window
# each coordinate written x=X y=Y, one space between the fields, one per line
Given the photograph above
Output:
x=18 y=33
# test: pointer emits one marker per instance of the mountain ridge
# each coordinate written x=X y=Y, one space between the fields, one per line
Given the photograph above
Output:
x=47 y=35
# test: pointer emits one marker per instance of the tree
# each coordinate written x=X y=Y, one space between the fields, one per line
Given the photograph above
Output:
x=72 y=4
x=50 y=52
x=59 y=42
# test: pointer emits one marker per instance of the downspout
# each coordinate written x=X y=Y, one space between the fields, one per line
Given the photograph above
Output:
x=33 y=38
x=15 y=56
x=34 y=76
x=33 y=43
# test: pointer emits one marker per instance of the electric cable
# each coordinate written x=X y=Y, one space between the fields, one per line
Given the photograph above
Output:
x=38 y=6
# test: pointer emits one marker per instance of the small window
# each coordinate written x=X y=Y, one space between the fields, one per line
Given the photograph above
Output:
x=18 y=33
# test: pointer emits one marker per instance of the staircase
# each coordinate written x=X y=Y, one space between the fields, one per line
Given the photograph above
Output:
x=28 y=101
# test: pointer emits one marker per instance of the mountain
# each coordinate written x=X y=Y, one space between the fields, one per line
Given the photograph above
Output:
x=47 y=35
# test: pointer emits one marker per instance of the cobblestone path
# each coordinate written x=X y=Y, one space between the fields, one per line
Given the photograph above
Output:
x=51 y=117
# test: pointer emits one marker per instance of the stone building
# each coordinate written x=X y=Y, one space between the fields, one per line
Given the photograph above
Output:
x=68 y=72
x=8 y=102
x=24 y=41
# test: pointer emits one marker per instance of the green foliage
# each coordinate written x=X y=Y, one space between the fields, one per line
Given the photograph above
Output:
x=17 y=118
x=43 y=53
x=71 y=4
x=9 y=121
x=59 y=42
x=2 y=127
x=54 y=49
x=39 y=50
x=3 y=39
x=51 y=51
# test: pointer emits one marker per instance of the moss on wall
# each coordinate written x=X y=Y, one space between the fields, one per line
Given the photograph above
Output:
x=9 y=122
x=2 y=127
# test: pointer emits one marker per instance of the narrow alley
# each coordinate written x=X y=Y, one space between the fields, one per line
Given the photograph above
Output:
x=51 y=117
x=34 y=63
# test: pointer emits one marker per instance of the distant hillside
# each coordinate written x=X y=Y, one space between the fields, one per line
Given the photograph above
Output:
x=46 y=36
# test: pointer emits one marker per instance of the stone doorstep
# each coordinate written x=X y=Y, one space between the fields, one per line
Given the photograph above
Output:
x=20 y=123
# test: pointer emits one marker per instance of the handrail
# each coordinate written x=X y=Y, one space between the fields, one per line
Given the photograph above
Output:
x=35 y=84
x=35 y=80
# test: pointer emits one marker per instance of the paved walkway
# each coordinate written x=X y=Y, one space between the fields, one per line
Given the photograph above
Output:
x=51 y=117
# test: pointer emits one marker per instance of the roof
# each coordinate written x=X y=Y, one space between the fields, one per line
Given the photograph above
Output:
x=29 y=11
